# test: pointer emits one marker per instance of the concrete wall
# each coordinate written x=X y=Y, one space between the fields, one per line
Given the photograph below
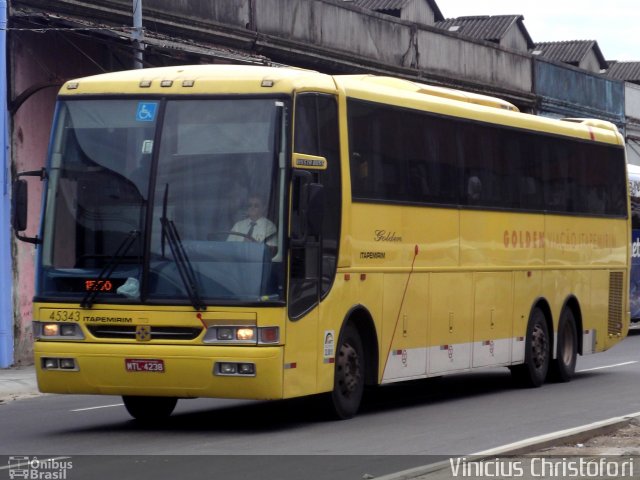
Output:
x=376 y=41
x=632 y=132
x=515 y=40
x=327 y=35
x=494 y=69
x=632 y=101
x=564 y=92
x=590 y=62
x=348 y=33
x=418 y=11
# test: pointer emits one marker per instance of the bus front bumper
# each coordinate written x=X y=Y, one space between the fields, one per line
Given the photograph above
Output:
x=160 y=370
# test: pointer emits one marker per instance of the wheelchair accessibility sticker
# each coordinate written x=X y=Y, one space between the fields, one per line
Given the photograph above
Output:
x=146 y=111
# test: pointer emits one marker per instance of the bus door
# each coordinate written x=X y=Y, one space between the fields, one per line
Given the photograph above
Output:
x=315 y=229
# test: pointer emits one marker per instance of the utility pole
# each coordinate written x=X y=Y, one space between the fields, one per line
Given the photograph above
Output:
x=6 y=260
x=138 y=44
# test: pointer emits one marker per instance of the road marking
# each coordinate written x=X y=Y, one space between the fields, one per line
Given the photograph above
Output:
x=533 y=441
x=95 y=408
x=607 y=366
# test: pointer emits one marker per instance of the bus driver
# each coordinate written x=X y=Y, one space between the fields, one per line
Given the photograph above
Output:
x=256 y=227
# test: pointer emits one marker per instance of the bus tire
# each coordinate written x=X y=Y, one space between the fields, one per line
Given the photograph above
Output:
x=537 y=352
x=149 y=409
x=348 y=382
x=564 y=366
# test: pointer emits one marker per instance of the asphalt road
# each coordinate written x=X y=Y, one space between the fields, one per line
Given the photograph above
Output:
x=400 y=426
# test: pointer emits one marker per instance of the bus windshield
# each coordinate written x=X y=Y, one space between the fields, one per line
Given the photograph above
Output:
x=166 y=201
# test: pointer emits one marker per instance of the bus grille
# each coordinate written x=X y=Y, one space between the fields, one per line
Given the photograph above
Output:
x=128 y=332
x=615 y=302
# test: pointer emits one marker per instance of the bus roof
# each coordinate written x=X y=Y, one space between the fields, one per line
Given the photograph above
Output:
x=408 y=94
x=252 y=79
x=433 y=90
x=200 y=80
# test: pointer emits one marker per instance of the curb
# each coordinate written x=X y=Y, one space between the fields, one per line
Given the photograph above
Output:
x=577 y=434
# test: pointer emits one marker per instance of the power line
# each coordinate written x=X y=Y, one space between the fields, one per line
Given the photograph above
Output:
x=68 y=29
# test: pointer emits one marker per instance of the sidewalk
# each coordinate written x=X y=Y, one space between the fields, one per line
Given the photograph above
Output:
x=17 y=382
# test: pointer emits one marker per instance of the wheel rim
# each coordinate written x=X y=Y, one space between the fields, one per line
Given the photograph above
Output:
x=538 y=347
x=568 y=345
x=348 y=370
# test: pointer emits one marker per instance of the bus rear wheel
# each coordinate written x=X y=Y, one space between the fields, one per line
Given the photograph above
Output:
x=564 y=366
x=349 y=374
x=149 y=409
x=537 y=352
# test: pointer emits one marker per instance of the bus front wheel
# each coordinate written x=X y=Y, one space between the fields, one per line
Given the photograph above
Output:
x=149 y=409
x=349 y=374
x=537 y=352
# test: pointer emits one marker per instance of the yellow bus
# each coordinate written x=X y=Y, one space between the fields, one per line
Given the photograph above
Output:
x=268 y=233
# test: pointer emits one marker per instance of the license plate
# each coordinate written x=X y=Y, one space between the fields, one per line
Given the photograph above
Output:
x=144 y=365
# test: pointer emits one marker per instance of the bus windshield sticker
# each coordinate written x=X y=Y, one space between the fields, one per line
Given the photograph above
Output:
x=146 y=111
x=147 y=146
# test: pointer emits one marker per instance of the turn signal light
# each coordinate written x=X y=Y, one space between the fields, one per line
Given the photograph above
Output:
x=269 y=335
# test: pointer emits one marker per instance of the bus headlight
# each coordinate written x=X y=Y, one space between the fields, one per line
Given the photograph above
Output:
x=246 y=334
x=249 y=335
x=69 y=330
x=57 y=331
x=50 y=329
x=225 y=334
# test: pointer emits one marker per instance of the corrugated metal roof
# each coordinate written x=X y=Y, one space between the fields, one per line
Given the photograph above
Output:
x=485 y=27
x=386 y=5
x=380 y=4
x=569 y=51
x=627 y=71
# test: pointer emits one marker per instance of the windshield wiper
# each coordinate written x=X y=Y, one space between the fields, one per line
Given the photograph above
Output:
x=107 y=270
x=185 y=269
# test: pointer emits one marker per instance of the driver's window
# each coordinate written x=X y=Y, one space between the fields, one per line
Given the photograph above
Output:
x=313 y=265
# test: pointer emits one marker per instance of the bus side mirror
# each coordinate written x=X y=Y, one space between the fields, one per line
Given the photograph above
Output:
x=20 y=204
